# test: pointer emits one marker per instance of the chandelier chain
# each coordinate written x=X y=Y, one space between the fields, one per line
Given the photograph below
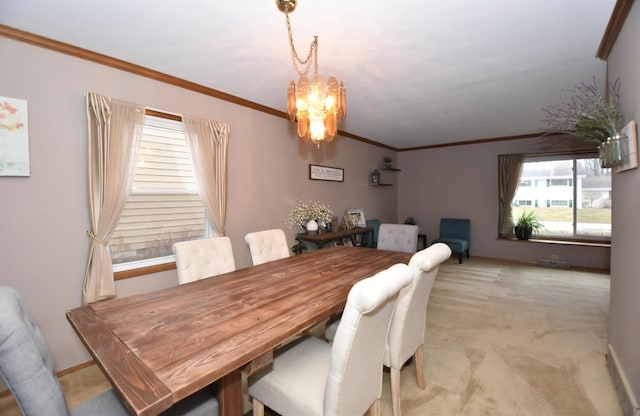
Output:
x=313 y=51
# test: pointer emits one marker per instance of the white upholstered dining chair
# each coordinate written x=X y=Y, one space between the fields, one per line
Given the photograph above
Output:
x=198 y=259
x=311 y=377
x=398 y=237
x=266 y=246
x=408 y=325
x=26 y=366
x=406 y=335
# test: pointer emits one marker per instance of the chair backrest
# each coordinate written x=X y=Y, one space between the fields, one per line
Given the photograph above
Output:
x=398 y=237
x=375 y=224
x=355 y=372
x=268 y=245
x=455 y=228
x=198 y=259
x=409 y=320
x=25 y=361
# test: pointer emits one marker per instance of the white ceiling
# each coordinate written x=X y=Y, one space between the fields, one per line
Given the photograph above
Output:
x=417 y=72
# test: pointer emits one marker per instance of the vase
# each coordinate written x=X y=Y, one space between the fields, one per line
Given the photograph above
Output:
x=312 y=227
x=616 y=150
x=611 y=152
x=522 y=232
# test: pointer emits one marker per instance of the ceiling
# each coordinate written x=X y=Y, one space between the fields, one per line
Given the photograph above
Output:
x=417 y=73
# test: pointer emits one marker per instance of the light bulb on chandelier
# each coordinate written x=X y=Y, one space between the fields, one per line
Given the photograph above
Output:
x=316 y=105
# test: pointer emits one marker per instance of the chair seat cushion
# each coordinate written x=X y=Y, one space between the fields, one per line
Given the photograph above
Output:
x=295 y=384
x=201 y=403
x=455 y=244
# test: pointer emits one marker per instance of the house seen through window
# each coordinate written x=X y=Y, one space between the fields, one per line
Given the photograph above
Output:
x=163 y=205
x=571 y=194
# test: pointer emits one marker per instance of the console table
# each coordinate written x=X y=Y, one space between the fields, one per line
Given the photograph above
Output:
x=322 y=239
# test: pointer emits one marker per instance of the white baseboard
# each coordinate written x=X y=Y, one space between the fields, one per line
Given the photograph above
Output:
x=627 y=399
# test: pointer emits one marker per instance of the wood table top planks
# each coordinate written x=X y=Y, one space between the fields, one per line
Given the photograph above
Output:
x=159 y=347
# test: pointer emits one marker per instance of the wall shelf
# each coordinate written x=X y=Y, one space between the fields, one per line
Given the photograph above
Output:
x=380 y=184
x=389 y=169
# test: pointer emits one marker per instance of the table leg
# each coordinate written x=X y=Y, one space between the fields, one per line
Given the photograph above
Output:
x=230 y=394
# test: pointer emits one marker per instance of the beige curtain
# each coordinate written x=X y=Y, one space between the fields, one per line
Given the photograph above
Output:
x=114 y=129
x=208 y=141
x=509 y=171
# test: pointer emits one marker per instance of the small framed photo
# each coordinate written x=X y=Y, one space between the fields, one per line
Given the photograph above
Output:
x=335 y=224
x=357 y=217
x=348 y=222
x=347 y=242
x=326 y=173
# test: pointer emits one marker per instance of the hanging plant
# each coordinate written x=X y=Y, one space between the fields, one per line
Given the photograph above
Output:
x=588 y=115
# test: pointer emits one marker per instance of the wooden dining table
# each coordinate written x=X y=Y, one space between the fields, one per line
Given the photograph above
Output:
x=159 y=347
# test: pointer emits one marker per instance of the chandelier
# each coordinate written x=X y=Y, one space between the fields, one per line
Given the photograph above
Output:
x=316 y=105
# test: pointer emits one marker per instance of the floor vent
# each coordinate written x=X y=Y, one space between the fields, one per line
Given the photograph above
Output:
x=559 y=264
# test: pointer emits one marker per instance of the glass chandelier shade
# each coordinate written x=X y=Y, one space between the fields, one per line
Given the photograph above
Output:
x=317 y=106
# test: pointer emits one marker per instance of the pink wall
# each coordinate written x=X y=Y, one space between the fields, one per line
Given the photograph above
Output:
x=43 y=245
x=624 y=322
x=462 y=182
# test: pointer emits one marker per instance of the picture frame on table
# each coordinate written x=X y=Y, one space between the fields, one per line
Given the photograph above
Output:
x=334 y=225
x=348 y=222
x=357 y=217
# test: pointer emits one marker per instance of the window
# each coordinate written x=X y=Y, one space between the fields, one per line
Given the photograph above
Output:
x=163 y=205
x=573 y=196
x=522 y=203
x=525 y=182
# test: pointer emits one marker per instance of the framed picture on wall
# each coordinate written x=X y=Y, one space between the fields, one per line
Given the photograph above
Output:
x=14 y=137
x=326 y=173
x=357 y=217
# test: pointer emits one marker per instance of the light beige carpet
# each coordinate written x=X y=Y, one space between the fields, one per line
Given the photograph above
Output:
x=506 y=339
x=503 y=339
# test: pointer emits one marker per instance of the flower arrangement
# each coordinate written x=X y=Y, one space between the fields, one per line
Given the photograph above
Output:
x=303 y=212
x=588 y=115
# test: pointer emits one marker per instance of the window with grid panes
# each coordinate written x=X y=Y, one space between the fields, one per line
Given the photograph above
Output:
x=572 y=196
x=163 y=205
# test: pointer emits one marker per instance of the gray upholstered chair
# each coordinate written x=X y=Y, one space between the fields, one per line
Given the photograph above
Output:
x=456 y=233
x=398 y=237
x=27 y=368
x=268 y=245
x=311 y=377
x=198 y=259
x=406 y=336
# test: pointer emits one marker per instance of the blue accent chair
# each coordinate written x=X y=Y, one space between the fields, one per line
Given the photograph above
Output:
x=375 y=224
x=456 y=233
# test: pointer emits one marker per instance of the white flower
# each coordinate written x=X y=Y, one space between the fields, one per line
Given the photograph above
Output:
x=303 y=212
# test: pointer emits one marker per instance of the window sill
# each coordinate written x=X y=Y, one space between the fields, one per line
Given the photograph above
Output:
x=587 y=243
x=141 y=271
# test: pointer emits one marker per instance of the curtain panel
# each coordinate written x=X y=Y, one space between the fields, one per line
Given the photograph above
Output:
x=208 y=142
x=509 y=171
x=114 y=129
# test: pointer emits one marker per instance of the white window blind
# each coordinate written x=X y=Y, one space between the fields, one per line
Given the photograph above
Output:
x=163 y=205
